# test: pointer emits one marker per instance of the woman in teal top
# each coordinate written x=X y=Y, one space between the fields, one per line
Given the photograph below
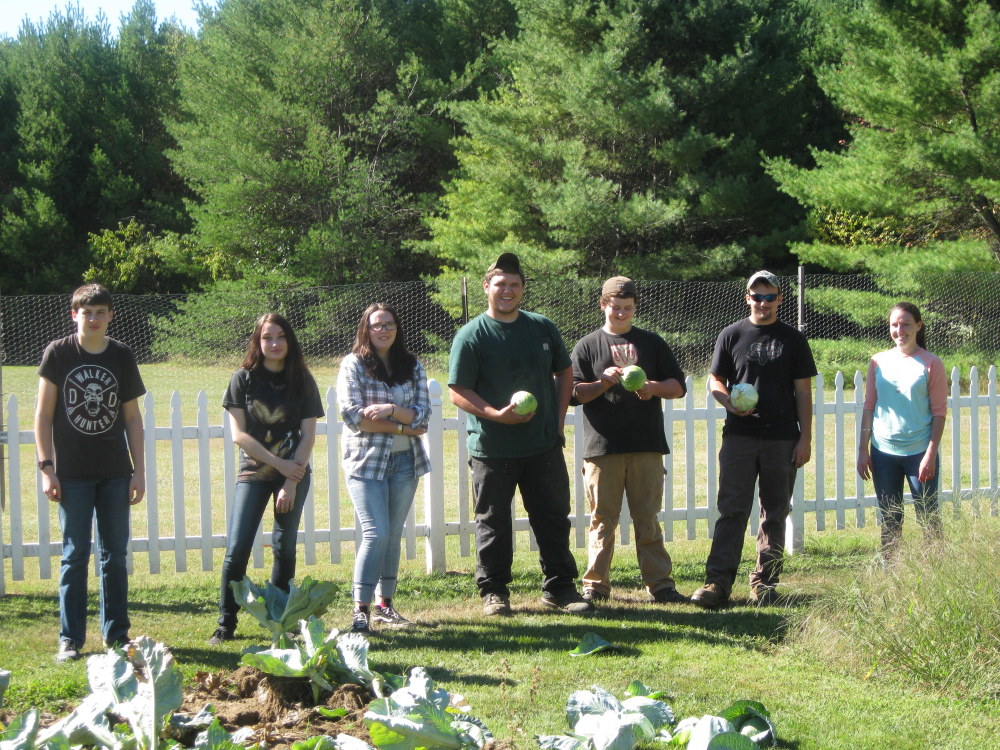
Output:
x=906 y=397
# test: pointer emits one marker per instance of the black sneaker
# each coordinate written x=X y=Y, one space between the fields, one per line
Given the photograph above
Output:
x=495 y=605
x=670 y=595
x=387 y=615
x=360 y=622
x=593 y=595
x=68 y=651
x=570 y=602
x=220 y=636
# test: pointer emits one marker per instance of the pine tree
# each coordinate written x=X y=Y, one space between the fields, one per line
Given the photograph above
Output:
x=627 y=139
x=920 y=83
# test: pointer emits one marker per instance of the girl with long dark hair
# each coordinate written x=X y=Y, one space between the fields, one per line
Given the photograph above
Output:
x=383 y=400
x=906 y=395
x=273 y=404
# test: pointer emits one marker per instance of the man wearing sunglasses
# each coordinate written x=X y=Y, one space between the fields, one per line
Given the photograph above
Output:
x=766 y=444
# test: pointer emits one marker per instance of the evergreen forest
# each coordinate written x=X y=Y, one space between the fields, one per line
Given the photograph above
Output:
x=326 y=142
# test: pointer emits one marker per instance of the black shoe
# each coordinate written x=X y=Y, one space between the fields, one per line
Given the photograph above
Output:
x=670 y=596
x=360 y=623
x=570 y=602
x=120 y=644
x=387 y=615
x=221 y=635
x=495 y=605
x=593 y=595
x=68 y=651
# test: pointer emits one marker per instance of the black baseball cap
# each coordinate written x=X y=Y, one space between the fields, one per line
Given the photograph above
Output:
x=508 y=263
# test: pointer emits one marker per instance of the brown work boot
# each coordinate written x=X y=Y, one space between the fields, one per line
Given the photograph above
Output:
x=710 y=596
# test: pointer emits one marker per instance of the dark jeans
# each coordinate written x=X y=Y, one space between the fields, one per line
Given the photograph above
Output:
x=544 y=485
x=249 y=503
x=742 y=461
x=81 y=501
x=888 y=472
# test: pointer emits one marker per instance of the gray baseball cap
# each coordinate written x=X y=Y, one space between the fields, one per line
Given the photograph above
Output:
x=767 y=277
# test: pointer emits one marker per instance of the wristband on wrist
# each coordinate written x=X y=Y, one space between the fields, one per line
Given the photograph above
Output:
x=399 y=430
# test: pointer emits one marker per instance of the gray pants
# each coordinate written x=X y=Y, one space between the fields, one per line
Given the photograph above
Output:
x=742 y=462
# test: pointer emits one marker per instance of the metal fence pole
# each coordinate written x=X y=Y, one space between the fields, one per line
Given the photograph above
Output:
x=465 y=302
x=802 y=298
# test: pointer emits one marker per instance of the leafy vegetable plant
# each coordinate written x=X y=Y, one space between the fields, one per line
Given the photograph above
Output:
x=599 y=721
x=421 y=715
x=140 y=686
x=280 y=612
x=325 y=659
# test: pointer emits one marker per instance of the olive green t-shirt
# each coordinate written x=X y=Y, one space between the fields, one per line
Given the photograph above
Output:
x=496 y=360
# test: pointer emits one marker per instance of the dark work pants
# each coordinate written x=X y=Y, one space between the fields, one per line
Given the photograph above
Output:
x=742 y=461
x=544 y=485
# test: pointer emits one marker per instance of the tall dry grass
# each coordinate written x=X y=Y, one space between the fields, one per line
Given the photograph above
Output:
x=930 y=615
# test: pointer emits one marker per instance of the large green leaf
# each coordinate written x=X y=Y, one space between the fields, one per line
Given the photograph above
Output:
x=159 y=691
x=707 y=728
x=732 y=741
x=21 y=732
x=591 y=643
x=4 y=683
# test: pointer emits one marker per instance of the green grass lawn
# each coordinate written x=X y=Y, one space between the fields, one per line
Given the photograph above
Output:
x=516 y=672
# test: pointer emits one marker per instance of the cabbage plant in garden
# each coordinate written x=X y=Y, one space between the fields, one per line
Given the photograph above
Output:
x=278 y=611
x=325 y=659
x=599 y=721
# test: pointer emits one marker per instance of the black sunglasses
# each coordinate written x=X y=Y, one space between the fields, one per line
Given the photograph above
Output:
x=763 y=297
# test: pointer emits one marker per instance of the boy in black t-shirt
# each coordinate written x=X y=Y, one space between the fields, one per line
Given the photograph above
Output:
x=624 y=441
x=88 y=404
x=765 y=445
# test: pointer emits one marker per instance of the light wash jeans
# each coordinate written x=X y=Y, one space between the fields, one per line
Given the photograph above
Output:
x=382 y=505
x=250 y=500
x=81 y=500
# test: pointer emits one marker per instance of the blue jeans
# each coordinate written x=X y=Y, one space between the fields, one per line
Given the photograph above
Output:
x=888 y=472
x=382 y=506
x=249 y=503
x=81 y=501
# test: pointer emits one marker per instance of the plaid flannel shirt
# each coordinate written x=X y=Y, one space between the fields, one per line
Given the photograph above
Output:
x=366 y=454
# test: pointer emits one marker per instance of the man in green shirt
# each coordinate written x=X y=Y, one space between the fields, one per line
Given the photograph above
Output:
x=498 y=353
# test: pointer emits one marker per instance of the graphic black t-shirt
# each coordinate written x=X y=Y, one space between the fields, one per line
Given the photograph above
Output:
x=88 y=427
x=771 y=358
x=271 y=417
x=618 y=421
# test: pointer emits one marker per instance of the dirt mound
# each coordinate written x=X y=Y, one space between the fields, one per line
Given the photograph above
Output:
x=280 y=710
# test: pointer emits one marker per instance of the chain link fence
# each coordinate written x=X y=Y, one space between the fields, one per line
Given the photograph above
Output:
x=198 y=339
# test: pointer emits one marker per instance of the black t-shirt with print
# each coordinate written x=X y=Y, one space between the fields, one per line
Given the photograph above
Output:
x=88 y=426
x=771 y=358
x=618 y=421
x=271 y=417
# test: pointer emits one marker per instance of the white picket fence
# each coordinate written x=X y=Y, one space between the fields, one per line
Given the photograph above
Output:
x=695 y=421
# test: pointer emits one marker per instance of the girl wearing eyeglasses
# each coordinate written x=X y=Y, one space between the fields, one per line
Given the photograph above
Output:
x=906 y=396
x=383 y=400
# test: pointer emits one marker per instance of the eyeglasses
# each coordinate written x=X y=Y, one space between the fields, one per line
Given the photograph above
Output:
x=763 y=297
x=382 y=326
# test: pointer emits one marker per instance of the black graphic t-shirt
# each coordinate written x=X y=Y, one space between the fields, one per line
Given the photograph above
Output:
x=618 y=421
x=771 y=358
x=88 y=427
x=271 y=417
